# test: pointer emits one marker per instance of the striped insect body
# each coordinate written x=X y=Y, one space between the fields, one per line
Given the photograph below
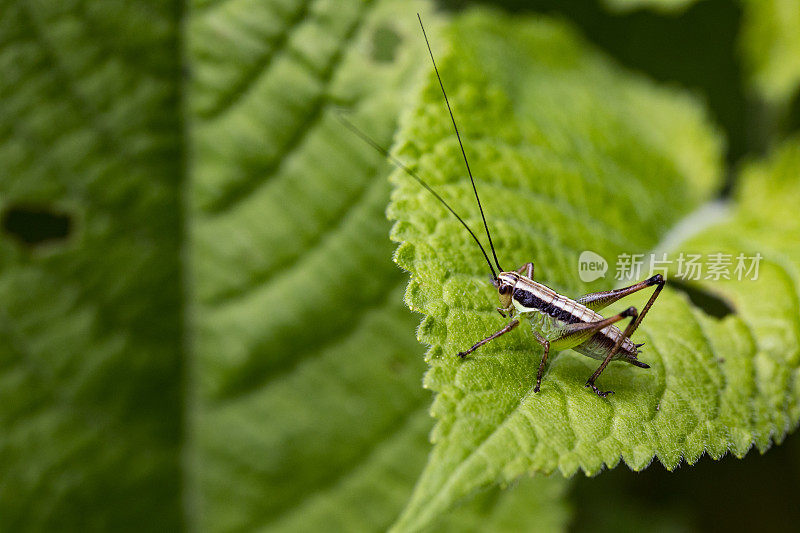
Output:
x=552 y=314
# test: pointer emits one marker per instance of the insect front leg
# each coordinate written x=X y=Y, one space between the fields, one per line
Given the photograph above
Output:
x=506 y=311
x=514 y=323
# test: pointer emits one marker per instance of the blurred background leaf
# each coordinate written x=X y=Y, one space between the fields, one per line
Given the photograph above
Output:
x=308 y=413
x=91 y=291
x=665 y=6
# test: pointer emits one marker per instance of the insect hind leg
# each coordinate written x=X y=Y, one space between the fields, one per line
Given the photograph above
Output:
x=573 y=335
x=612 y=296
x=527 y=270
x=629 y=312
x=546 y=345
x=596 y=301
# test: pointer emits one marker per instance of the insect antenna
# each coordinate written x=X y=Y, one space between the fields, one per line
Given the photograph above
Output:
x=399 y=164
x=458 y=136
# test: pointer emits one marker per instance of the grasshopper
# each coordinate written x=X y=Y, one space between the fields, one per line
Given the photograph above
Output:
x=558 y=322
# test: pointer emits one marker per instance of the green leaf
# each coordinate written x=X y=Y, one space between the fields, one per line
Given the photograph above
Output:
x=308 y=413
x=90 y=290
x=770 y=45
x=532 y=504
x=763 y=383
x=291 y=399
x=573 y=153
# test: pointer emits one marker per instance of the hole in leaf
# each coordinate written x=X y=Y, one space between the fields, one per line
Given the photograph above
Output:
x=36 y=225
x=384 y=44
x=707 y=301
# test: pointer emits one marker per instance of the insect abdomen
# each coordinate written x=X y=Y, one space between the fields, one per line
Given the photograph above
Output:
x=554 y=312
x=600 y=344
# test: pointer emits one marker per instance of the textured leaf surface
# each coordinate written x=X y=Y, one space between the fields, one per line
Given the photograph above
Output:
x=761 y=391
x=307 y=402
x=305 y=408
x=90 y=324
x=532 y=504
x=308 y=410
x=574 y=154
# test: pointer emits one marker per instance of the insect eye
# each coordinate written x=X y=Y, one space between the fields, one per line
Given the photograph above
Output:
x=503 y=289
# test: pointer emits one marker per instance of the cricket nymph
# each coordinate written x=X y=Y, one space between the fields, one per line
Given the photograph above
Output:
x=560 y=323
x=551 y=315
x=557 y=321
